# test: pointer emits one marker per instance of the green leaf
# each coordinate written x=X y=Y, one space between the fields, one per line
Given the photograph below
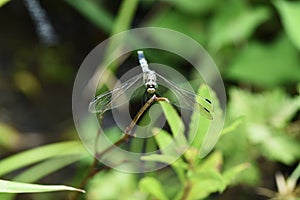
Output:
x=290 y=14
x=112 y=185
x=178 y=165
x=153 y=187
x=150 y=145
x=45 y=168
x=231 y=26
x=264 y=130
x=266 y=65
x=171 y=152
x=231 y=173
x=191 y=155
x=233 y=126
x=293 y=178
x=212 y=162
x=165 y=142
x=206 y=183
x=40 y=153
x=17 y=187
x=3 y=2
x=204 y=133
x=175 y=122
x=27 y=83
x=273 y=107
x=41 y=170
x=286 y=111
x=121 y=23
x=8 y=131
x=176 y=21
x=170 y=160
x=125 y=16
x=96 y=14
x=266 y=117
x=280 y=147
x=195 y=7
x=199 y=125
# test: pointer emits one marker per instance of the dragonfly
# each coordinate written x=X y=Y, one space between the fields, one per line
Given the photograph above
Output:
x=151 y=81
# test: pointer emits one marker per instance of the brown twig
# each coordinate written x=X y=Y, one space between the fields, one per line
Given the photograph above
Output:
x=93 y=170
x=186 y=190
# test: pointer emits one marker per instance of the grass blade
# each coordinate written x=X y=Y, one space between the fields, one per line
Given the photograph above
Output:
x=94 y=13
x=17 y=187
x=40 y=153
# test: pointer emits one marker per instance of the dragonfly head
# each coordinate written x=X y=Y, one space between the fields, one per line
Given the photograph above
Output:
x=150 y=81
x=151 y=88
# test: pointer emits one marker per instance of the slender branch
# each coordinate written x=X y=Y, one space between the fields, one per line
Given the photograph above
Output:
x=186 y=190
x=98 y=132
x=127 y=133
x=93 y=170
x=140 y=113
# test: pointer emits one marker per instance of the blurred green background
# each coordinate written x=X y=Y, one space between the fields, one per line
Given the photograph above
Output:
x=255 y=44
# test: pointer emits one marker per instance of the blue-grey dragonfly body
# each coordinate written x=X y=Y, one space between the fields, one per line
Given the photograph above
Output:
x=149 y=77
x=151 y=80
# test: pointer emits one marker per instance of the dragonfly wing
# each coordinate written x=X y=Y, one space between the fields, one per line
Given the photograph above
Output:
x=186 y=99
x=116 y=97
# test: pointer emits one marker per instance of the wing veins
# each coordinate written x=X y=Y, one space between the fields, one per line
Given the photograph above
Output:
x=105 y=99
x=189 y=96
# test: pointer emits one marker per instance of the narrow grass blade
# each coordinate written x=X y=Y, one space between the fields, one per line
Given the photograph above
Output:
x=17 y=187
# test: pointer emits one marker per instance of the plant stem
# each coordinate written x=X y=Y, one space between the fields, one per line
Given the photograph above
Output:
x=93 y=170
x=186 y=190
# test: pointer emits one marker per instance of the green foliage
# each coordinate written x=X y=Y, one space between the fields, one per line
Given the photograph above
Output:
x=3 y=2
x=211 y=180
x=38 y=154
x=113 y=185
x=45 y=168
x=252 y=47
x=153 y=187
x=27 y=83
x=8 y=131
x=199 y=177
x=199 y=125
x=235 y=25
x=193 y=7
x=125 y=16
x=16 y=187
x=290 y=14
x=266 y=65
x=54 y=67
x=43 y=161
x=178 y=22
x=94 y=12
x=50 y=66
x=233 y=126
x=175 y=122
x=225 y=32
x=264 y=130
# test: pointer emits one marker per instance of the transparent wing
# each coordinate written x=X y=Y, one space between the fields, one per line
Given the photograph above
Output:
x=116 y=97
x=187 y=99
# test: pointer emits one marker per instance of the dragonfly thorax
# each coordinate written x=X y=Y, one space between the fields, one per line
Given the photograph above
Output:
x=150 y=81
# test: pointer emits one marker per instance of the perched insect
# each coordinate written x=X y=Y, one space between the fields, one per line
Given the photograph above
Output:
x=151 y=80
